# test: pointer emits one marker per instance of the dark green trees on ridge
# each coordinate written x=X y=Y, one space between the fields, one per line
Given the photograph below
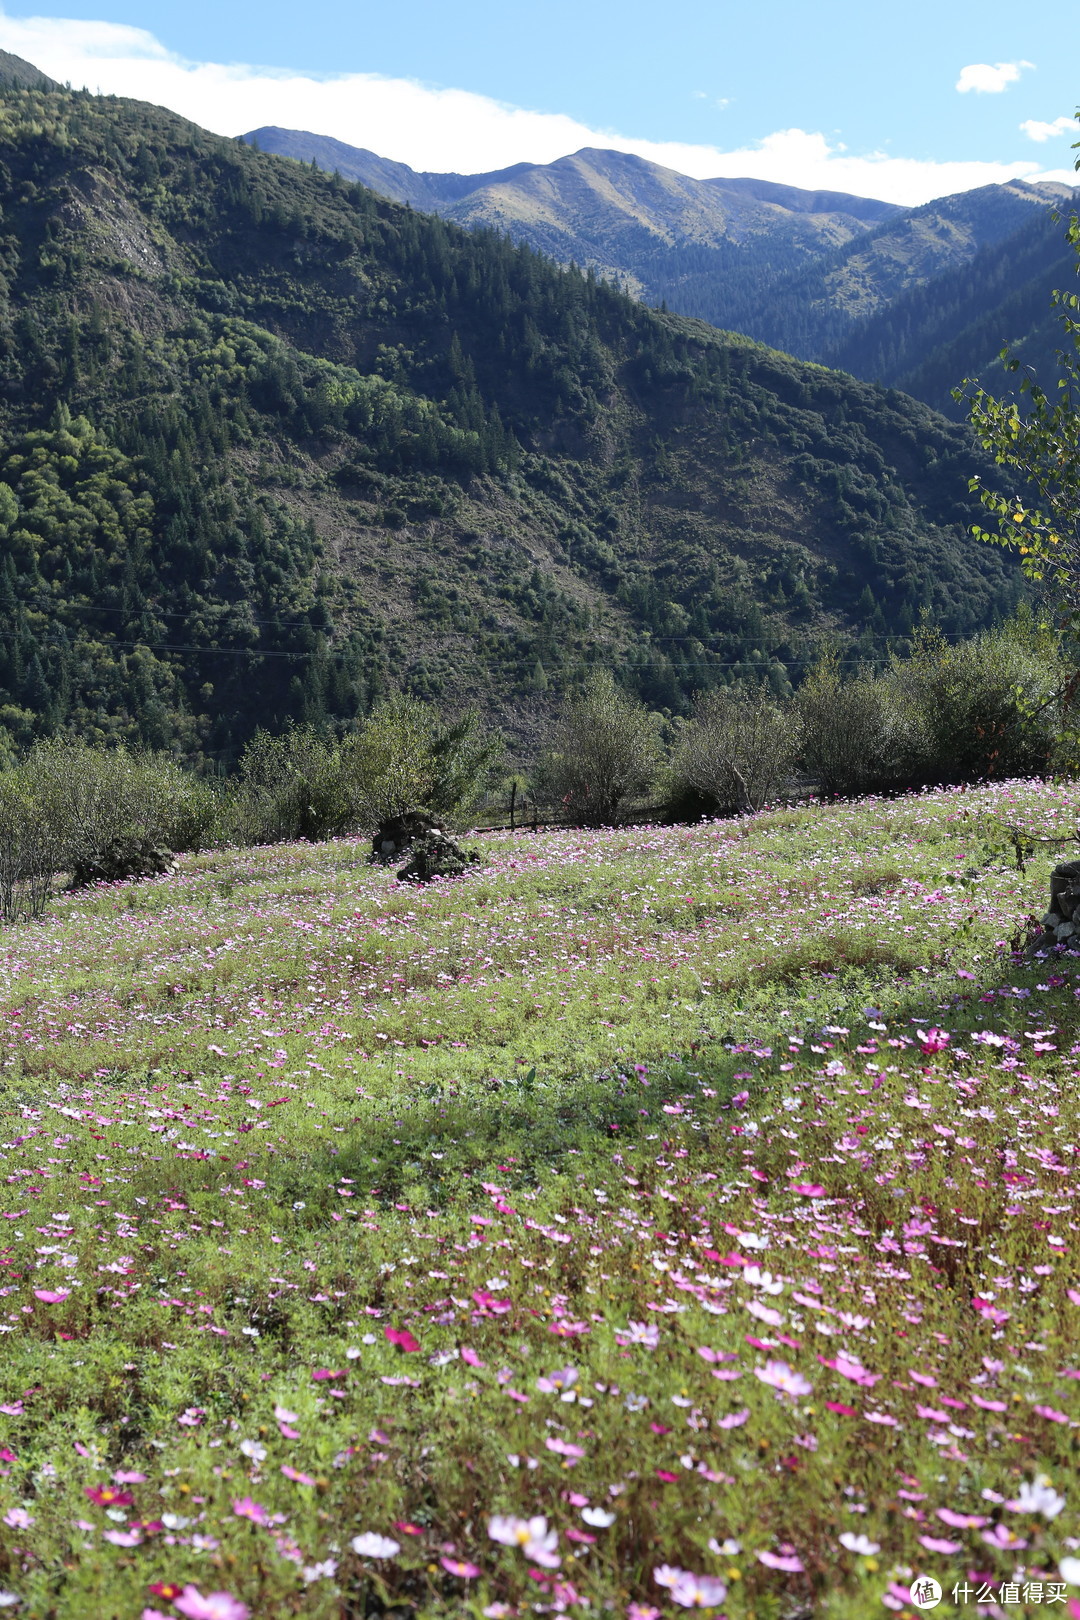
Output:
x=276 y=447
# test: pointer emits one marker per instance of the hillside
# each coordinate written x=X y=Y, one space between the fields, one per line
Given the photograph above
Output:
x=826 y=302
x=273 y=445
x=930 y=337
x=613 y=212
x=16 y=74
x=869 y=287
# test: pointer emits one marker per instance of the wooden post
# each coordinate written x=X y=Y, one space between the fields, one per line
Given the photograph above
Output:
x=513 y=797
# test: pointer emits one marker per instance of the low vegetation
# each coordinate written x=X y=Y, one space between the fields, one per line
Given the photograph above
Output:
x=996 y=706
x=663 y=1217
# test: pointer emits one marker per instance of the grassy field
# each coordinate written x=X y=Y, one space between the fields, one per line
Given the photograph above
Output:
x=654 y=1219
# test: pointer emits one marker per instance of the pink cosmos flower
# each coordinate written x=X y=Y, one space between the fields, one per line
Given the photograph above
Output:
x=779 y=1376
x=564 y=1448
x=848 y=1367
x=809 y=1189
x=697 y=1591
x=214 y=1606
x=460 y=1567
x=961 y=1521
x=554 y=1383
x=934 y=1040
x=734 y=1420
x=644 y=1333
x=52 y=1296
x=1003 y=1539
x=106 y=1496
x=18 y=1518
x=791 y=1563
x=123 y=1538
x=245 y=1508
x=938 y=1544
x=402 y=1338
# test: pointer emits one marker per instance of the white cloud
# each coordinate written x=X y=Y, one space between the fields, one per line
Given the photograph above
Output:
x=1035 y=130
x=990 y=80
x=446 y=129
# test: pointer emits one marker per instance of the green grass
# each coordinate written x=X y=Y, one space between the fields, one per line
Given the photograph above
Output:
x=262 y=1113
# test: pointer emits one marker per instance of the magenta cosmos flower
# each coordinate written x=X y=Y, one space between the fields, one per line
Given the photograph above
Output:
x=214 y=1606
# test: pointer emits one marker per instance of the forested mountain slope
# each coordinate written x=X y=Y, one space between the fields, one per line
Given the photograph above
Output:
x=270 y=444
x=931 y=337
x=873 y=288
x=613 y=212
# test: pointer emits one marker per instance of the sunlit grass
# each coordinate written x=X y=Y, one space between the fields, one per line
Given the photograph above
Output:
x=282 y=1136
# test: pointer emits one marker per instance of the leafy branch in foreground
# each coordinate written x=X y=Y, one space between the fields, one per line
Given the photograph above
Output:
x=1039 y=441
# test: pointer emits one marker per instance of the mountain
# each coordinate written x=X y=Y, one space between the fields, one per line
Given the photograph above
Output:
x=827 y=301
x=824 y=276
x=15 y=74
x=615 y=213
x=271 y=445
x=932 y=336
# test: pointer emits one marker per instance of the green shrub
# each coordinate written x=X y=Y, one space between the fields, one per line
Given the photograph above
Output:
x=738 y=750
x=855 y=737
x=289 y=786
x=69 y=807
x=405 y=758
x=30 y=853
x=97 y=798
x=603 y=748
x=983 y=708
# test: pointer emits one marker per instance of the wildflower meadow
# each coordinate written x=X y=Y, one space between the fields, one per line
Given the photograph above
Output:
x=652 y=1220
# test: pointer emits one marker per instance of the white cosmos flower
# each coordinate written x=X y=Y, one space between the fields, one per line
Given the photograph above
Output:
x=372 y=1545
x=859 y=1544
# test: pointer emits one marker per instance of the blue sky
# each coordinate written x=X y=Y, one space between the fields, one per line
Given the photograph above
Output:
x=840 y=93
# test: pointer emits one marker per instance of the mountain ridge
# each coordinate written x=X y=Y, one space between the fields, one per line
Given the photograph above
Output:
x=811 y=273
x=272 y=445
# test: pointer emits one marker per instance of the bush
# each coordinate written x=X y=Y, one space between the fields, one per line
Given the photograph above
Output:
x=405 y=758
x=30 y=853
x=984 y=708
x=603 y=748
x=108 y=806
x=94 y=813
x=289 y=786
x=737 y=751
x=854 y=734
